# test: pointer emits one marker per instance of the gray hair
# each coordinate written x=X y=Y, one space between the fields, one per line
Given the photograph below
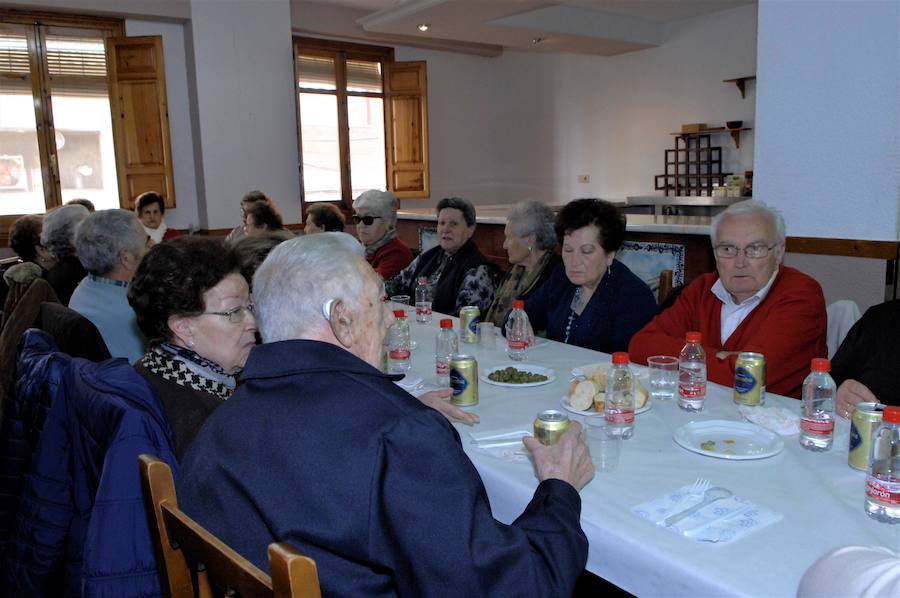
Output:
x=58 y=234
x=750 y=207
x=299 y=276
x=458 y=203
x=532 y=217
x=382 y=203
x=103 y=235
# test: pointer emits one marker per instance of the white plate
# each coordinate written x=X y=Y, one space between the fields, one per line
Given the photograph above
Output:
x=578 y=372
x=749 y=440
x=564 y=401
x=534 y=369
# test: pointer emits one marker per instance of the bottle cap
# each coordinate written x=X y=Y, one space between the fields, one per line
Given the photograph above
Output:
x=448 y=323
x=820 y=364
x=518 y=304
x=693 y=337
x=620 y=358
x=892 y=414
x=399 y=313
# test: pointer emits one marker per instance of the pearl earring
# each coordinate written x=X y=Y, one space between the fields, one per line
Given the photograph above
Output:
x=190 y=344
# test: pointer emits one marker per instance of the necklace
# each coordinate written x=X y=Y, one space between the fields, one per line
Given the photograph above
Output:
x=576 y=302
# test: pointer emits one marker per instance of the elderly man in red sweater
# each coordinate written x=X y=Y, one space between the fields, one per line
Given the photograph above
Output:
x=752 y=303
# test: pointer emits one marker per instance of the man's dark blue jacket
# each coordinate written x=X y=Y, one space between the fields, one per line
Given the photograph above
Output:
x=319 y=449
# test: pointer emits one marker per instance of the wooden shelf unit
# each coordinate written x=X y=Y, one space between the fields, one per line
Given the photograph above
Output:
x=735 y=134
x=741 y=83
x=691 y=167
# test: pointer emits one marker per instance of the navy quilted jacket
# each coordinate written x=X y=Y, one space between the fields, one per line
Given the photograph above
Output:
x=81 y=527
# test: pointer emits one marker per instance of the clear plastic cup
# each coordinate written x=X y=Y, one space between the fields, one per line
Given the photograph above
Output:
x=605 y=447
x=663 y=377
x=487 y=335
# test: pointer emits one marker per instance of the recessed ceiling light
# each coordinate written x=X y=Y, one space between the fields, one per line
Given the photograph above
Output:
x=424 y=27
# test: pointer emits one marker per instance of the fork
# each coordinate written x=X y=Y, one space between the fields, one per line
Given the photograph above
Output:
x=694 y=493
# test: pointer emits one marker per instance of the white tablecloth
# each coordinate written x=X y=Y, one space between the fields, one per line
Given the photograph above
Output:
x=820 y=496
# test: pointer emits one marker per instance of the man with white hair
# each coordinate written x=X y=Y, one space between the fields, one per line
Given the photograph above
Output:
x=320 y=449
x=110 y=245
x=752 y=303
x=375 y=216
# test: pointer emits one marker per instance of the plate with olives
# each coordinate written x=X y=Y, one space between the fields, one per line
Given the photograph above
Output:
x=518 y=376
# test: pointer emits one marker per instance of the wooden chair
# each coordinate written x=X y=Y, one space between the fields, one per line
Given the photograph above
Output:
x=187 y=554
x=665 y=286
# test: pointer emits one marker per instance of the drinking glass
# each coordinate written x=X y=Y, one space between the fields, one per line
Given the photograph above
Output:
x=605 y=446
x=487 y=335
x=401 y=302
x=663 y=376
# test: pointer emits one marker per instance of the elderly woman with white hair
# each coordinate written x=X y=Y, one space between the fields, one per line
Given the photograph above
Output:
x=529 y=241
x=375 y=216
x=111 y=244
x=58 y=236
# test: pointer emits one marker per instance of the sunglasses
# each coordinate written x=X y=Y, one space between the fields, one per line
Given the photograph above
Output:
x=367 y=220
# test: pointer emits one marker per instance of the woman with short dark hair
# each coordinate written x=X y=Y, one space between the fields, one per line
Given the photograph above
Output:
x=264 y=220
x=591 y=300
x=193 y=305
x=150 y=208
x=324 y=218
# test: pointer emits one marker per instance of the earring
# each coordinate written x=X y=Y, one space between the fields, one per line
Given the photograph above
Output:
x=529 y=249
x=190 y=344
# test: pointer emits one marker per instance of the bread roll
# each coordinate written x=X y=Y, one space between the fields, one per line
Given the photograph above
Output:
x=582 y=395
x=640 y=395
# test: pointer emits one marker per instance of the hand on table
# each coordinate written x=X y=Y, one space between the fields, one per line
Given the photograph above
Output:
x=439 y=400
x=568 y=460
x=849 y=393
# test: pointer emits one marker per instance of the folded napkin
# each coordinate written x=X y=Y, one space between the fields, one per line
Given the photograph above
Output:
x=777 y=419
x=505 y=444
x=410 y=383
x=722 y=521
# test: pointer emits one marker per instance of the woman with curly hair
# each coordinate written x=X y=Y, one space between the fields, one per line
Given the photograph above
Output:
x=592 y=300
x=193 y=305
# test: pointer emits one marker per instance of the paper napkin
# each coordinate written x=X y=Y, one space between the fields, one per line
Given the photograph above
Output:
x=505 y=444
x=723 y=521
x=777 y=419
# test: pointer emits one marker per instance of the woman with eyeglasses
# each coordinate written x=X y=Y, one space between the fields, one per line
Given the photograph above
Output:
x=193 y=305
x=375 y=216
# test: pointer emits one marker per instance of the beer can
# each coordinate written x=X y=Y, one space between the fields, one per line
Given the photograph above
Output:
x=469 y=316
x=464 y=380
x=550 y=425
x=750 y=379
x=866 y=417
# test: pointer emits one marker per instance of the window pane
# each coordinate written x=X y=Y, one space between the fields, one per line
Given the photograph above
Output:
x=21 y=185
x=366 y=120
x=81 y=116
x=363 y=76
x=321 y=153
x=317 y=72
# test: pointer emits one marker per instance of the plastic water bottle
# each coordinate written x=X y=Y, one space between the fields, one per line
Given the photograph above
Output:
x=446 y=345
x=398 y=344
x=423 y=301
x=692 y=373
x=619 y=407
x=817 y=421
x=883 y=479
x=517 y=332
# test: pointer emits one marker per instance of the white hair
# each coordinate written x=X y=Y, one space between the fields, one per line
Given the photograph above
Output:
x=58 y=234
x=299 y=276
x=383 y=203
x=750 y=207
x=103 y=235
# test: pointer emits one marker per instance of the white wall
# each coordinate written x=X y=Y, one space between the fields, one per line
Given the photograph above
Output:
x=186 y=212
x=527 y=124
x=828 y=141
x=248 y=124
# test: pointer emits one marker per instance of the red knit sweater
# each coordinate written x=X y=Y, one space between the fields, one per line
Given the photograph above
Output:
x=788 y=327
x=390 y=259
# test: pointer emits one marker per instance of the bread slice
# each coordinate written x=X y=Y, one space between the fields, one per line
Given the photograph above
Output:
x=640 y=395
x=581 y=395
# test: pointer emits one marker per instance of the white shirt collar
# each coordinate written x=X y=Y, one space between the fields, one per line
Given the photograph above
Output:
x=718 y=289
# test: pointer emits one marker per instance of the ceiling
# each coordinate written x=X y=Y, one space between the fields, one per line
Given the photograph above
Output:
x=486 y=27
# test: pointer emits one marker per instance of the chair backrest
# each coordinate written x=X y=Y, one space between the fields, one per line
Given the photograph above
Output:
x=185 y=548
x=842 y=315
x=74 y=334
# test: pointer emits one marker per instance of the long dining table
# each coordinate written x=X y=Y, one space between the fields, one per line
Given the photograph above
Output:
x=819 y=496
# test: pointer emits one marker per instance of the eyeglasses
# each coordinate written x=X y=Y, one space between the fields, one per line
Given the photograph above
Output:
x=367 y=220
x=753 y=252
x=235 y=316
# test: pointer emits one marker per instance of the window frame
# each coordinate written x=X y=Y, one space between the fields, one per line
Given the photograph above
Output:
x=38 y=22
x=341 y=52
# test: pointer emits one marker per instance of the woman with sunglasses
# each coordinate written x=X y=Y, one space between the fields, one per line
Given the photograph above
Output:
x=375 y=216
x=193 y=305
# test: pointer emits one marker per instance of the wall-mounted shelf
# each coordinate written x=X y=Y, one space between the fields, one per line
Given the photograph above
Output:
x=741 y=83
x=735 y=134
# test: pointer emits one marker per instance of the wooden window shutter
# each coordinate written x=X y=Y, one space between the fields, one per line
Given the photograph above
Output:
x=407 y=129
x=137 y=97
